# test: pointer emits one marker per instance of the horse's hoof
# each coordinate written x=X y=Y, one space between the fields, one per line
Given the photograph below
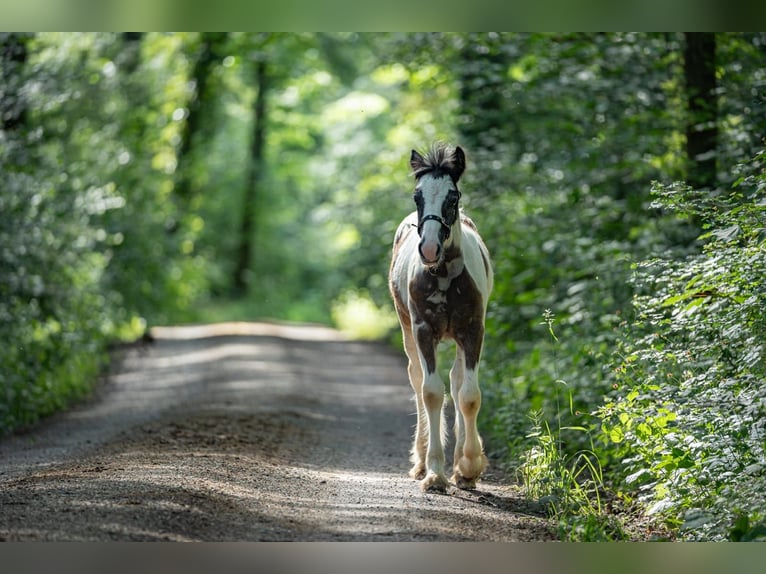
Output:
x=469 y=467
x=418 y=472
x=464 y=483
x=434 y=483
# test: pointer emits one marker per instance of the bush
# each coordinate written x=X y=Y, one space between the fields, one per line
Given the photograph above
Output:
x=689 y=414
x=87 y=249
x=51 y=305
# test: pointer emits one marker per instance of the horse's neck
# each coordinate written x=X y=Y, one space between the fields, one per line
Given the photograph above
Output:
x=456 y=238
x=454 y=264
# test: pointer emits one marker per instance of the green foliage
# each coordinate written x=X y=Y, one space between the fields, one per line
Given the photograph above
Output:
x=568 y=218
x=570 y=486
x=744 y=530
x=50 y=304
x=50 y=301
x=357 y=315
x=573 y=218
x=688 y=415
x=84 y=215
x=127 y=160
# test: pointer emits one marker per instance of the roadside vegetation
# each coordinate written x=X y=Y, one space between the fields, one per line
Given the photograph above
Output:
x=618 y=180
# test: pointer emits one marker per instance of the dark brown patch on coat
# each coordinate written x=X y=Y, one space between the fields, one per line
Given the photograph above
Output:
x=450 y=254
x=454 y=313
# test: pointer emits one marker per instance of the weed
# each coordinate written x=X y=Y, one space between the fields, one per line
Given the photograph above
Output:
x=569 y=486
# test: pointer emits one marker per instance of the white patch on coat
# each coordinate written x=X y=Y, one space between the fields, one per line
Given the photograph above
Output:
x=434 y=192
x=437 y=297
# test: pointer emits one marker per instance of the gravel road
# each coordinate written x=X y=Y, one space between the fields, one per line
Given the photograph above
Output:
x=244 y=432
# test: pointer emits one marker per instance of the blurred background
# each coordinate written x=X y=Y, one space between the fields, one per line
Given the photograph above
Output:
x=165 y=178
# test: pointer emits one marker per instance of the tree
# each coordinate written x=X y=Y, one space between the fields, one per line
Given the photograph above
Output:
x=701 y=125
x=254 y=177
x=13 y=55
x=199 y=106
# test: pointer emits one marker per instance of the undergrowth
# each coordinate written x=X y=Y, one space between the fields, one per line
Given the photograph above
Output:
x=688 y=417
x=570 y=486
x=649 y=415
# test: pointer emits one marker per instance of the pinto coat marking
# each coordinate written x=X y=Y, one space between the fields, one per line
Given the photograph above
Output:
x=440 y=279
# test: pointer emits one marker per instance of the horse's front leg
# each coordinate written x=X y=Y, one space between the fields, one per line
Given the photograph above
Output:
x=433 y=401
x=470 y=460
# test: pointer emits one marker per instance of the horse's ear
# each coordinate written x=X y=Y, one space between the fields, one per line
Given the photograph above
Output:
x=416 y=161
x=458 y=163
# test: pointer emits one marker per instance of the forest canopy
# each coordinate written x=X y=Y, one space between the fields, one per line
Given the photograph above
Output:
x=617 y=179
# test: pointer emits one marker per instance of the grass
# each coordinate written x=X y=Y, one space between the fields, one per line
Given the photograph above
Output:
x=356 y=314
x=252 y=308
x=570 y=487
x=353 y=312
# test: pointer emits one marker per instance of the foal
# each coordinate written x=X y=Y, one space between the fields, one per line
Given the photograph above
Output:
x=440 y=279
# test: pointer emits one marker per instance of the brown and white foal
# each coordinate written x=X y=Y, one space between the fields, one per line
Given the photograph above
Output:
x=440 y=280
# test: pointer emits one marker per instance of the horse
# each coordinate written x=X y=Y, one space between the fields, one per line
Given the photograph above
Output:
x=440 y=279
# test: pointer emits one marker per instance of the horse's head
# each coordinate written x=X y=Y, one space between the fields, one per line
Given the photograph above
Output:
x=436 y=197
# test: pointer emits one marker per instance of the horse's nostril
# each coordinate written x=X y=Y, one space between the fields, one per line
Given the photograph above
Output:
x=429 y=251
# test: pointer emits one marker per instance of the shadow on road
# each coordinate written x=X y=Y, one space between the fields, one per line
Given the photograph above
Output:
x=243 y=432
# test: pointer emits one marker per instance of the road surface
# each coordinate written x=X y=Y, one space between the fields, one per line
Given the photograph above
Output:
x=244 y=432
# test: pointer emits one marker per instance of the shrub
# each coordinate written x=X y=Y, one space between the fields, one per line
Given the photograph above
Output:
x=689 y=413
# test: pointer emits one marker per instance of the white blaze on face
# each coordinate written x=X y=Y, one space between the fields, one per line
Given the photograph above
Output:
x=434 y=191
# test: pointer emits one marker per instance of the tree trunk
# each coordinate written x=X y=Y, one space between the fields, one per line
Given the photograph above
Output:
x=131 y=54
x=13 y=56
x=701 y=125
x=199 y=104
x=246 y=247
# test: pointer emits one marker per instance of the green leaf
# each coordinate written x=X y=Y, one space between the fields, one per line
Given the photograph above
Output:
x=616 y=435
x=631 y=478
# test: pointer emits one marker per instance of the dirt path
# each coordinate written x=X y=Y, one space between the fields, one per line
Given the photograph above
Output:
x=244 y=431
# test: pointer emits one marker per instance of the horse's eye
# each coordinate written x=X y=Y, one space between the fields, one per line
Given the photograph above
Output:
x=418 y=197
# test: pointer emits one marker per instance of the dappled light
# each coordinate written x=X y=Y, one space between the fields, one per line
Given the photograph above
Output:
x=178 y=204
x=233 y=435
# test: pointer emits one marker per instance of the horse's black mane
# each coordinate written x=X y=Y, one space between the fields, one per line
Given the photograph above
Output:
x=438 y=161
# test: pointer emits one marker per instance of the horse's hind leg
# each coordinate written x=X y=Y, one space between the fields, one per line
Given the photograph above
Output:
x=420 y=440
x=456 y=376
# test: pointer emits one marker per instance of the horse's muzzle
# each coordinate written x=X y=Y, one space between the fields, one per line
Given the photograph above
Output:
x=430 y=252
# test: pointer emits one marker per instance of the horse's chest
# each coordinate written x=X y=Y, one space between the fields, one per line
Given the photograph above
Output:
x=447 y=306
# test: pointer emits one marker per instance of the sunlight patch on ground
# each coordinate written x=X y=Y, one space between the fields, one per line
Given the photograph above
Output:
x=357 y=316
x=262 y=329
